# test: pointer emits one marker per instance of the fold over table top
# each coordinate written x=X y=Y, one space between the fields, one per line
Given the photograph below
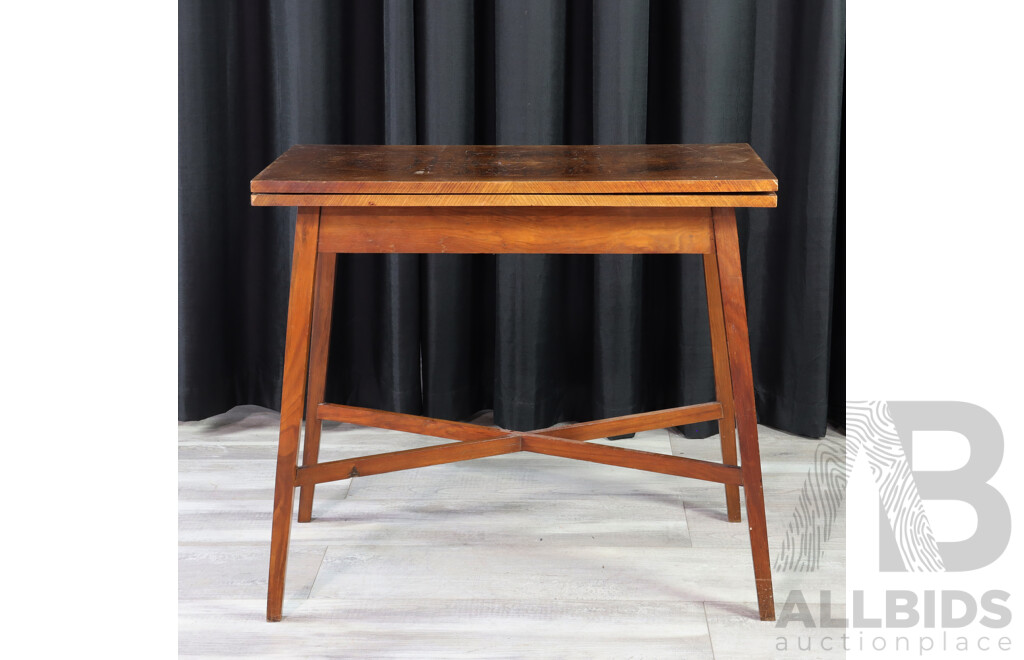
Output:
x=346 y=174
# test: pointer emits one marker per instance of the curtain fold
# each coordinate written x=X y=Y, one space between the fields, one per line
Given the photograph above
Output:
x=539 y=339
x=619 y=110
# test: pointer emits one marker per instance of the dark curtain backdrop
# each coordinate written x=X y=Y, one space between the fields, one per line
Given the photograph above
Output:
x=540 y=339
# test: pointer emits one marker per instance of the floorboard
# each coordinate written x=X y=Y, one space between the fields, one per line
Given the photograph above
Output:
x=504 y=557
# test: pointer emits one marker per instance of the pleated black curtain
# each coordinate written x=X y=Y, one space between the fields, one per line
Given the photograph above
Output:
x=538 y=339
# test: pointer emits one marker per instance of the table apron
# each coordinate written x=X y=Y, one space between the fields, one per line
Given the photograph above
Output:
x=516 y=230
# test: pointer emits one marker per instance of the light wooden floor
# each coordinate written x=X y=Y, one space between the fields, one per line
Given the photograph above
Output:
x=510 y=556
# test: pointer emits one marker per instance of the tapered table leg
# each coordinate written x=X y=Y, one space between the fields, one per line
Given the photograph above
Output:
x=323 y=301
x=296 y=356
x=723 y=380
x=731 y=278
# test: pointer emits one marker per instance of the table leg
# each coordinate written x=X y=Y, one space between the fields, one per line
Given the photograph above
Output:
x=731 y=278
x=323 y=301
x=723 y=382
x=296 y=355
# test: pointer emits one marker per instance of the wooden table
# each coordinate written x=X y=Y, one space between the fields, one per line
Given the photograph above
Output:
x=624 y=199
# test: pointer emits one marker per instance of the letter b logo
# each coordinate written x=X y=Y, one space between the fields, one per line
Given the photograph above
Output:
x=904 y=529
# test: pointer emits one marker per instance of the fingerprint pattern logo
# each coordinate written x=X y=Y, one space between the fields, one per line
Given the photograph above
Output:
x=870 y=429
x=814 y=517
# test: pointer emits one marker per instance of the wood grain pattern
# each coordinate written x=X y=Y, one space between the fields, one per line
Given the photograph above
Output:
x=382 y=419
x=501 y=231
x=476 y=169
x=764 y=200
x=422 y=549
x=656 y=419
x=435 y=624
x=631 y=458
x=723 y=382
x=408 y=459
x=296 y=355
x=320 y=339
x=731 y=277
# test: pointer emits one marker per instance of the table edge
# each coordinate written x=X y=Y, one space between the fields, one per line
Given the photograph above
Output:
x=709 y=200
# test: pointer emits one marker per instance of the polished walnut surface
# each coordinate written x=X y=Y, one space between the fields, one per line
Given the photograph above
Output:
x=479 y=169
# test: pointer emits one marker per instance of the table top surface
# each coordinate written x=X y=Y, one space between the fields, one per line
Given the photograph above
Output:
x=552 y=169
